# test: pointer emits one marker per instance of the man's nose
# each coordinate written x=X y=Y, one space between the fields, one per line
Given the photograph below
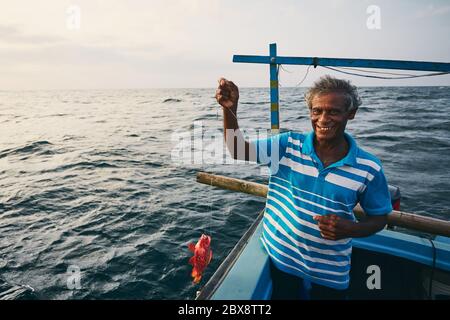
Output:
x=323 y=118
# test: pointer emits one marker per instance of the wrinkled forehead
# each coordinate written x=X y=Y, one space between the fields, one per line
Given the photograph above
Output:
x=331 y=99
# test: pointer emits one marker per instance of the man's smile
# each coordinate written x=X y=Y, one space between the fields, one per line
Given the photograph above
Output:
x=324 y=128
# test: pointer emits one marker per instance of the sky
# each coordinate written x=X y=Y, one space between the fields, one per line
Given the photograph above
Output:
x=112 y=44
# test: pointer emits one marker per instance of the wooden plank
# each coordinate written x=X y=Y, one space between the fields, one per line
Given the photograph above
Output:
x=396 y=218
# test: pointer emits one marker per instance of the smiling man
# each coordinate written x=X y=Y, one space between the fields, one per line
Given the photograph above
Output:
x=319 y=178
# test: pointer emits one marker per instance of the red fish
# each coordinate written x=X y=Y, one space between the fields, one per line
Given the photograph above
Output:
x=202 y=256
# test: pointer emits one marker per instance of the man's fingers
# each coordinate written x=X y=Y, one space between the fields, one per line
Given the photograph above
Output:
x=225 y=83
x=328 y=235
x=222 y=81
x=222 y=99
x=222 y=92
x=327 y=227
x=322 y=220
x=329 y=218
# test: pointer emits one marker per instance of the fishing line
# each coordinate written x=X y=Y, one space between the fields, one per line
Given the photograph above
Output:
x=229 y=109
x=211 y=216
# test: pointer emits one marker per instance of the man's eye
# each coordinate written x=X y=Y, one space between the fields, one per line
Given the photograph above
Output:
x=315 y=111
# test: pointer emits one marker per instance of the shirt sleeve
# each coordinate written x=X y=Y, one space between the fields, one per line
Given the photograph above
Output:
x=376 y=199
x=271 y=149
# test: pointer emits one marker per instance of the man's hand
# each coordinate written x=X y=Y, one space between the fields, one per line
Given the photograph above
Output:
x=227 y=94
x=333 y=227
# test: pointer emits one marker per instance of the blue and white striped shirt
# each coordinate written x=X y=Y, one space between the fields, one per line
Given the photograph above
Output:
x=301 y=188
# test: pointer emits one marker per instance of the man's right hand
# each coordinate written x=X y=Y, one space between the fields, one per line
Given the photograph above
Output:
x=227 y=94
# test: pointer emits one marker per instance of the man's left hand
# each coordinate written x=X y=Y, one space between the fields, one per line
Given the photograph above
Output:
x=333 y=227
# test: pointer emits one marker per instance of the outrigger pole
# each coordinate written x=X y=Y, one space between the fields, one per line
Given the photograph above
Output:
x=396 y=218
x=274 y=61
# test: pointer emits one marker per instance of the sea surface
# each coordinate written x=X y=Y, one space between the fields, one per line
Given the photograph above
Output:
x=98 y=202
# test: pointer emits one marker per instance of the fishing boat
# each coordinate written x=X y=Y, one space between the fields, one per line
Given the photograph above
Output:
x=412 y=267
x=408 y=266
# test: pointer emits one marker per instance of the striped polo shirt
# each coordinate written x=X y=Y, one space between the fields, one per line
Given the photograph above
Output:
x=301 y=188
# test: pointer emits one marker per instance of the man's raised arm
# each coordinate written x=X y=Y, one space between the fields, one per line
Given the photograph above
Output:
x=227 y=95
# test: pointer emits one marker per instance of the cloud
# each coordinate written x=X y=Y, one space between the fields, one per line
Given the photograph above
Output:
x=11 y=34
x=191 y=42
x=433 y=11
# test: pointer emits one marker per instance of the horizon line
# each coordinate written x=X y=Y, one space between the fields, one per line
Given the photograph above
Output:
x=213 y=88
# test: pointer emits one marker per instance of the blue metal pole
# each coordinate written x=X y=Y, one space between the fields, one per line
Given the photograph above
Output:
x=273 y=60
x=274 y=97
x=346 y=62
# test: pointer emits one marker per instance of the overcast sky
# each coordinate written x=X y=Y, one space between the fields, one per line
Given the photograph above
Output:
x=94 y=44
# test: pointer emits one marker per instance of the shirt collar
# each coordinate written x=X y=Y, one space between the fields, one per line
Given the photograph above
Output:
x=349 y=159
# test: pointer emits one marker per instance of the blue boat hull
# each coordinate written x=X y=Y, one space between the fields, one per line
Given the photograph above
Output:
x=410 y=266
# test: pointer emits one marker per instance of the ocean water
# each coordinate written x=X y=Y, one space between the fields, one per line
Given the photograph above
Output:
x=94 y=204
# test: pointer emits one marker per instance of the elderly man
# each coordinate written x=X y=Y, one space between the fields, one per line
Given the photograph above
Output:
x=318 y=179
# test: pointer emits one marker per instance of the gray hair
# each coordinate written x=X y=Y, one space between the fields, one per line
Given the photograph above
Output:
x=327 y=84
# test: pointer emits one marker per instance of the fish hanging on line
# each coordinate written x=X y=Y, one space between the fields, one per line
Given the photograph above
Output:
x=202 y=256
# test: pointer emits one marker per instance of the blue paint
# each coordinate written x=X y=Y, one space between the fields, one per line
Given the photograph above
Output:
x=273 y=60
x=274 y=115
x=349 y=62
x=249 y=278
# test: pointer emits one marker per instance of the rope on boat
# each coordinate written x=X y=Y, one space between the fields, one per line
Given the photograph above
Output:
x=433 y=267
x=344 y=70
x=379 y=72
x=304 y=78
x=406 y=76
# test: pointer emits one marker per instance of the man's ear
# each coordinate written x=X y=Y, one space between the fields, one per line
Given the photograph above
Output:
x=352 y=114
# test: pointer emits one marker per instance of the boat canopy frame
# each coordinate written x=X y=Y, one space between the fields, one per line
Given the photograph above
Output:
x=273 y=60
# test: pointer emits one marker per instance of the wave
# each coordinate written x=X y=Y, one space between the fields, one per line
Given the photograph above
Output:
x=37 y=147
x=10 y=291
x=415 y=97
x=255 y=103
x=145 y=102
x=172 y=100
x=82 y=165
x=55 y=115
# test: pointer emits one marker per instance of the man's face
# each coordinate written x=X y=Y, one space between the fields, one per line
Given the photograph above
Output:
x=329 y=116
